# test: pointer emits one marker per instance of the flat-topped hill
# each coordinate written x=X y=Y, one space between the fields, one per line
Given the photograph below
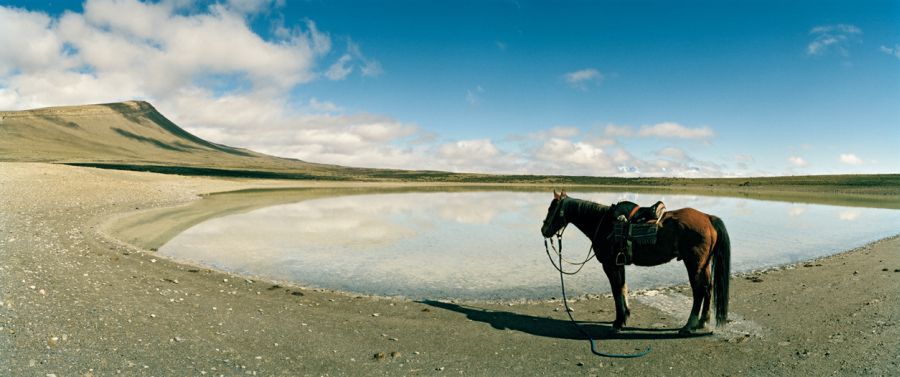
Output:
x=133 y=135
x=132 y=132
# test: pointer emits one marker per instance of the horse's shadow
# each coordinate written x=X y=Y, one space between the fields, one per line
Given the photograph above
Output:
x=555 y=328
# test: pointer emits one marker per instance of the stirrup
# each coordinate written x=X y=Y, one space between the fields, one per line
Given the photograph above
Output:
x=620 y=259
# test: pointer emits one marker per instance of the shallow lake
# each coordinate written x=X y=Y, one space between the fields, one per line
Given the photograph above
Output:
x=487 y=244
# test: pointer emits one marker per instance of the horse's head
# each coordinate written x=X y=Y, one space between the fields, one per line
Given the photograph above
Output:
x=556 y=217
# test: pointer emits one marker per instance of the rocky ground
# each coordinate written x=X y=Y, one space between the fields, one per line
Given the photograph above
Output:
x=74 y=302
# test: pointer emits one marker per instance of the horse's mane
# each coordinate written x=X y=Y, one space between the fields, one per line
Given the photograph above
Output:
x=582 y=206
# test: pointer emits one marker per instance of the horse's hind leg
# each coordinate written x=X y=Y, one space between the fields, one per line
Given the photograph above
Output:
x=706 y=278
x=700 y=286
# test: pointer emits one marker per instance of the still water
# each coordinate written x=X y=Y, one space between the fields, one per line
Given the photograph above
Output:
x=488 y=244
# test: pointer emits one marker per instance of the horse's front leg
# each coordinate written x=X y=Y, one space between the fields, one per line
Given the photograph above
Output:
x=616 y=276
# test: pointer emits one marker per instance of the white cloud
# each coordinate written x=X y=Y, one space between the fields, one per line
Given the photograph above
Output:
x=27 y=43
x=253 y=6
x=354 y=57
x=371 y=68
x=893 y=51
x=582 y=78
x=798 y=161
x=469 y=149
x=560 y=132
x=613 y=130
x=127 y=49
x=340 y=69
x=745 y=158
x=473 y=96
x=664 y=130
x=674 y=130
x=578 y=153
x=850 y=159
x=323 y=106
x=832 y=38
x=673 y=153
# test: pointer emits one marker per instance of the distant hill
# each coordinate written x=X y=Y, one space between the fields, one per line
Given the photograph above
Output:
x=133 y=135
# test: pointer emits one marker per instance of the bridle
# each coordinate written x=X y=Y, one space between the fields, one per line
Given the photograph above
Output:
x=560 y=211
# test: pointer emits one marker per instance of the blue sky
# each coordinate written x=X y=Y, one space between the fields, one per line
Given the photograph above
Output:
x=702 y=88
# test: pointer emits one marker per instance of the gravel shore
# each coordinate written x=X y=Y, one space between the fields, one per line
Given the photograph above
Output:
x=74 y=302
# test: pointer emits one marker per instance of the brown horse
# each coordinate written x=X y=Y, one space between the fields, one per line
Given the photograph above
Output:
x=687 y=234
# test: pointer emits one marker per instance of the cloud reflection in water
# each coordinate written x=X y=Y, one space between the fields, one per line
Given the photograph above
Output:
x=486 y=244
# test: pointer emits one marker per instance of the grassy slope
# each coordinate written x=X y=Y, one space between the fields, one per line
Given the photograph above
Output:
x=134 y=136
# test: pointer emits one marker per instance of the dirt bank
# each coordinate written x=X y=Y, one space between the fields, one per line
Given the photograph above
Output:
x=74 y=303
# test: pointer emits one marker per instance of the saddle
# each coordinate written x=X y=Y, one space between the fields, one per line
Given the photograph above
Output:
x=634 y=225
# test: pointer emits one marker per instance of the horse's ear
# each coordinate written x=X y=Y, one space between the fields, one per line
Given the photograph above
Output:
x=563 y=194
x=555 y=195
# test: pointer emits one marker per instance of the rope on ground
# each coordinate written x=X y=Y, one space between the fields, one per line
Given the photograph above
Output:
x=562 y=283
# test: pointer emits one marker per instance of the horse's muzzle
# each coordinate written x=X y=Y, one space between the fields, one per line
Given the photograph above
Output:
x=545 y=231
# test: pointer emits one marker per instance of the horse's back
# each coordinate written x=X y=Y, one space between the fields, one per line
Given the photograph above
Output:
x=687 y=215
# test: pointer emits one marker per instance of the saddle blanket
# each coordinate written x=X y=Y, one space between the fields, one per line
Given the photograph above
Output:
x=640 y=234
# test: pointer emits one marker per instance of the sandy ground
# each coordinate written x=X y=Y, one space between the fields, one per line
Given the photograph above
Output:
x=74 y=302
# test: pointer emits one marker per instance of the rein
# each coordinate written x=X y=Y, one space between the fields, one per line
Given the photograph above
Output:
x=562 y=283
x=558 y=252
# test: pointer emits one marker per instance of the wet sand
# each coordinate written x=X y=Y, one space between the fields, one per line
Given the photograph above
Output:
x=75 y=302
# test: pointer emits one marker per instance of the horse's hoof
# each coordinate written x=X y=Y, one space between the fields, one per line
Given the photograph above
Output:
x=694 y=331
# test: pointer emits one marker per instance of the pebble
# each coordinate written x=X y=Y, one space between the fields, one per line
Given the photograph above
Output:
x=379 y=356
x=396 y=354
x=152 y=315
x=439 y=369
x=53 y=341
x=376 y=314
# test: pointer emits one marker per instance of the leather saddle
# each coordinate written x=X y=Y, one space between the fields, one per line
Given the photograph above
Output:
x=633 y=225
x=630 y=212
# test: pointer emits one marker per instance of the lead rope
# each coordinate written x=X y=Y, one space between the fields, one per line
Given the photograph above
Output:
x=562 y=284
x=558 y=252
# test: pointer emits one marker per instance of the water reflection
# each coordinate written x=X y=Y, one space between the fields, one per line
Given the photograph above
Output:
x=849 y=215
x=796 y=210
x=487 y=244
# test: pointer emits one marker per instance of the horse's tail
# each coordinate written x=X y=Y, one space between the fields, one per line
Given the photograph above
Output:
x=721 y=270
